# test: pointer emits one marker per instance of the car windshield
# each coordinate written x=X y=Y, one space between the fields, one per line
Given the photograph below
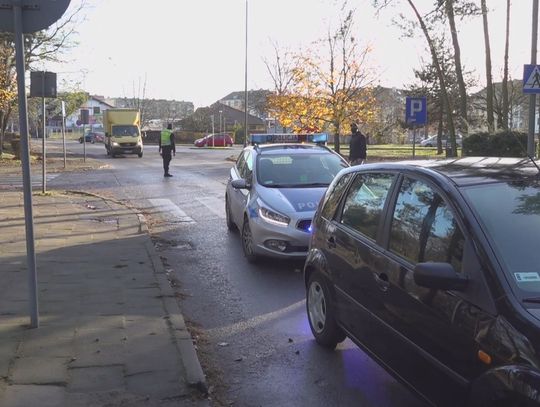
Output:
x=510 y=216
x=125 y=130
x=298 y=170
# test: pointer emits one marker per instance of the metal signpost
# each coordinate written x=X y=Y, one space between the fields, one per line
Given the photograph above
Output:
x=64 y=130
x=415 y=114
x=85 y=119
x=20 y=17
x=43 y=84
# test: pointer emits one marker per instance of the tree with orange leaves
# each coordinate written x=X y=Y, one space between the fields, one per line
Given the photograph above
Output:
x=328 y=86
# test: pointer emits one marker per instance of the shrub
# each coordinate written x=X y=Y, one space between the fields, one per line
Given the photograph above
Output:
x=502 y=144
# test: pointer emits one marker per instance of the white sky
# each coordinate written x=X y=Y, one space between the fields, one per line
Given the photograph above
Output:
x=193 y=50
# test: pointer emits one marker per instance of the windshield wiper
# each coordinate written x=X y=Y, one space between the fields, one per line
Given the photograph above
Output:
x=276 y=185
x=534 y=300
x=309 y=185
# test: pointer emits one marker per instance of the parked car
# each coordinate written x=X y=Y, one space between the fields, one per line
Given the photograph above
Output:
x=431 y=141
x=93 y=137
x=432 y=268
x=215 y=140
x=273 y=192
x=99 y=137
x=88 y=137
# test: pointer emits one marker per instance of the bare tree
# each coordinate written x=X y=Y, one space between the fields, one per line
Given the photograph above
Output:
x=440 y=73
x=449 y=8
x=489 y=76
x=46 y=45
x=505 y=101
x=281 y=70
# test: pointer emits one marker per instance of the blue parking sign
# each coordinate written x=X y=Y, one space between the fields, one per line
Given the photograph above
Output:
x=416 y=110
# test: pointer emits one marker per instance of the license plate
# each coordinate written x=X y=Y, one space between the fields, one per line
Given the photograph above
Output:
x=128 y=151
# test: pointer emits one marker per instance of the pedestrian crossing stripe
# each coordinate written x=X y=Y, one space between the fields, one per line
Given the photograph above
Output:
x=531 y=79
x=16 y=180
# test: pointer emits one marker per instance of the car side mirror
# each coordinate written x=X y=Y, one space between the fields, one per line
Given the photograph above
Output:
x=441 y=276
x=240 y=184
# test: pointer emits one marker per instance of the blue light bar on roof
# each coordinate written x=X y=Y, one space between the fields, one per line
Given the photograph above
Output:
x=289 y=138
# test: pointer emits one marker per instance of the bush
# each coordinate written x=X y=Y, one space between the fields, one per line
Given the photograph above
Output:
x=502 y=144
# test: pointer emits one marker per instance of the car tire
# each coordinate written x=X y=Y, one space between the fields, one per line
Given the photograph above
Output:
x=247 y=242
x=321 y=313
x=228 y=218
x=140 y=154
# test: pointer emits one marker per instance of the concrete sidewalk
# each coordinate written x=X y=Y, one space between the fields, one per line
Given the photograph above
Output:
x=111 y=332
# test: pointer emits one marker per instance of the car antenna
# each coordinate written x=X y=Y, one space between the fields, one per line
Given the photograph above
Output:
x=525 y=151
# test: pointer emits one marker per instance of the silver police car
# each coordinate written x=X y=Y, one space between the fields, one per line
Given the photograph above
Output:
x=274 y=190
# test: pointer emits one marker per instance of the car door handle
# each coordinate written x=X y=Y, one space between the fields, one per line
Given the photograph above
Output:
x=331 y=242
x=382 y=281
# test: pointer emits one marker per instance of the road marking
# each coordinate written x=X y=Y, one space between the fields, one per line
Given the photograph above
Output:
x=214 y=205
x=15 y=180
x=172 y=212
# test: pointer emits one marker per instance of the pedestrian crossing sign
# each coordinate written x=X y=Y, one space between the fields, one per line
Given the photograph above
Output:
x=531 y=79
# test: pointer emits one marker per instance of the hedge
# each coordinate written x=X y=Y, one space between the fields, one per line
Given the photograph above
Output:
x=502 y=144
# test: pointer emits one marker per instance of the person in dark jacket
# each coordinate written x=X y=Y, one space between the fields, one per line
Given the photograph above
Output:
x=357 y=146
x=166 y=148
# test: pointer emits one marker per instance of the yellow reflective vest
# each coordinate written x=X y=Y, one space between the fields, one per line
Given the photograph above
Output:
x=166 y=137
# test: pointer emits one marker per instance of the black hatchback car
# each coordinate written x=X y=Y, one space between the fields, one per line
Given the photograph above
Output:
x=434 y=270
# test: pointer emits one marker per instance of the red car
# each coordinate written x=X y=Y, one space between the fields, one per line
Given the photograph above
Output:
x=215 y=140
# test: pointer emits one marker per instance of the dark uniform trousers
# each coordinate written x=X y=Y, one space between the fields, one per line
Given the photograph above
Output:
x=166 y=153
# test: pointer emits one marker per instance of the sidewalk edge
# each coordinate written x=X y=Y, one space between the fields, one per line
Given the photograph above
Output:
x=195 y=376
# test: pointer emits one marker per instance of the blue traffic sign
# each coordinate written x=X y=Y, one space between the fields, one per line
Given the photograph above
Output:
x=416 y=110
x=531 y=79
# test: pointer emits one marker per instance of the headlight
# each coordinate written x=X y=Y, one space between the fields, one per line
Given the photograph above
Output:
x=273 y=217
x=115 y=144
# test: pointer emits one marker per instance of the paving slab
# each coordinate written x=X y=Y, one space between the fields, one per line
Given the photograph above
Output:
x=110 y=331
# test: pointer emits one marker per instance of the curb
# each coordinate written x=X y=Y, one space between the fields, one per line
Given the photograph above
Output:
x=195 y=377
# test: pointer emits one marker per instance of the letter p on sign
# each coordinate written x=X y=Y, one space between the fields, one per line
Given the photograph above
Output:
x=416 y=110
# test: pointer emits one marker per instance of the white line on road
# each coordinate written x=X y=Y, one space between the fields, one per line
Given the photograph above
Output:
x=173 y=212
x=214 y=205
x=15 y=180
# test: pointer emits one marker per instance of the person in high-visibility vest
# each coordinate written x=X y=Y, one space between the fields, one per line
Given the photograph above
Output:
x=166 y=148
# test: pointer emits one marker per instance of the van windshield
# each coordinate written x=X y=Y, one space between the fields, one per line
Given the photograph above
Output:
x=125 y=131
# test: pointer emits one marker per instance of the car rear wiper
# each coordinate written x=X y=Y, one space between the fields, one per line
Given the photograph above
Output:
x=534 y=300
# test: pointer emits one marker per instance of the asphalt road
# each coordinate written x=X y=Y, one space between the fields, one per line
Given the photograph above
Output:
x=249 y=321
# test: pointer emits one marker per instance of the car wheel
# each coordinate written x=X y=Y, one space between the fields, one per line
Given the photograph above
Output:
x=321 y=313
x=228 y=218
x=247 y=242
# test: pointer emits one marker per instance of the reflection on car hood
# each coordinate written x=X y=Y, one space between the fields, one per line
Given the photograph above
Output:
x=535 y=312
x=289 y=200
